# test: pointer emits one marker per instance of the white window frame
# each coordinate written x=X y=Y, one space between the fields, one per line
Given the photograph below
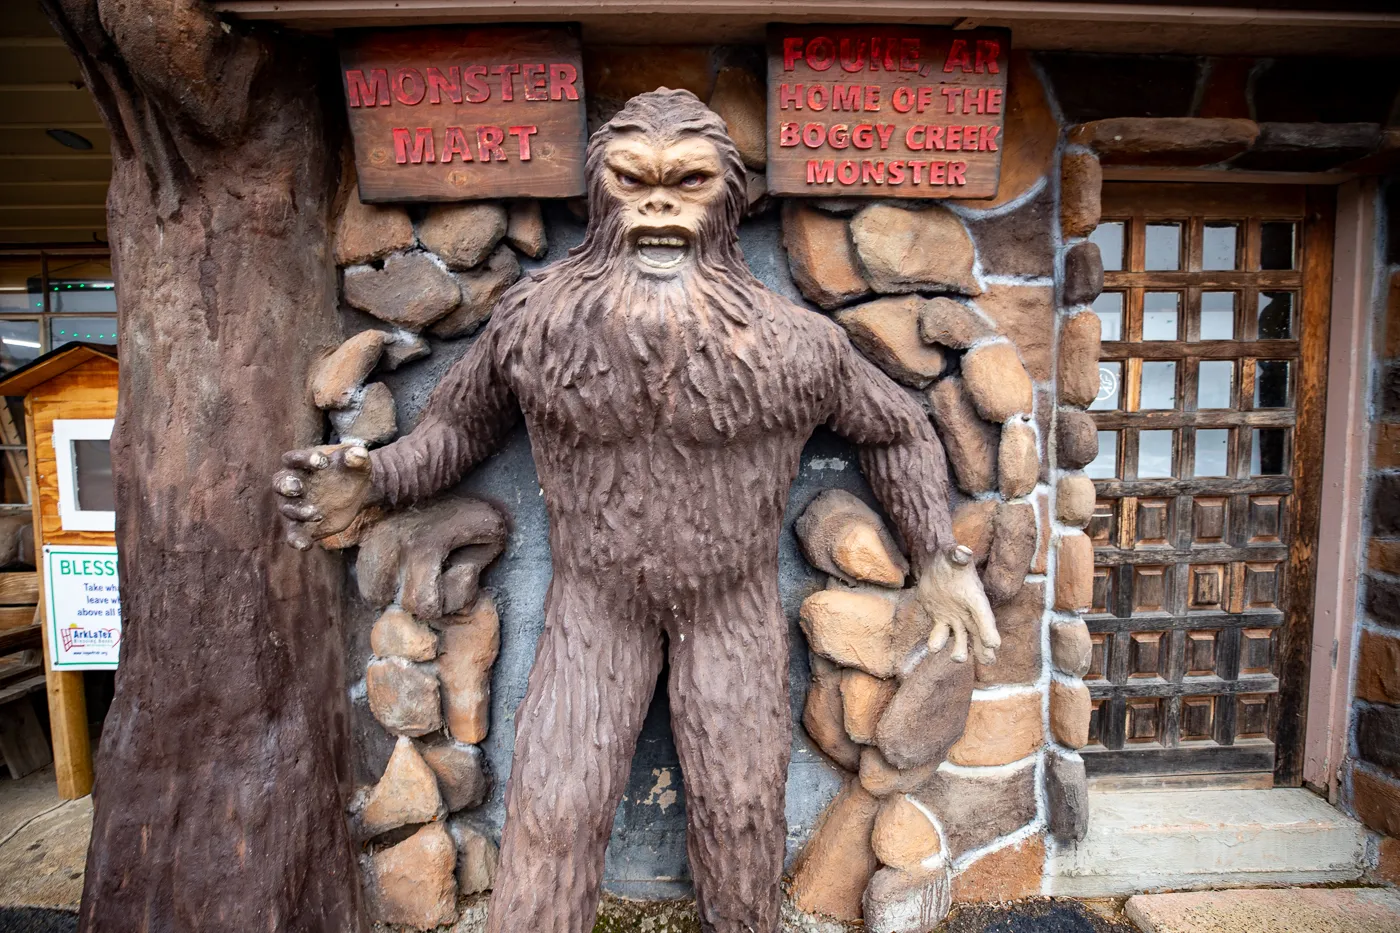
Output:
x=65 y=432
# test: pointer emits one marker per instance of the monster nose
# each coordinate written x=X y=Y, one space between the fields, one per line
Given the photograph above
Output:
x=658 y=202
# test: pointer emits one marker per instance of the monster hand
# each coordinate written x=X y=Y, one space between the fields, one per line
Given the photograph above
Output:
x=322 y=490
x=952 y=595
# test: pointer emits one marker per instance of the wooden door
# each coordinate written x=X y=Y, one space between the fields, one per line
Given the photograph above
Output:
x=1215 y=311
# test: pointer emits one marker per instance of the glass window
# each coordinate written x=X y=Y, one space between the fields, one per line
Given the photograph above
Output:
x=1212 y=452
x=1155 y=454
x=1110 y=239
x=1220 y=246
x=1158 y=385
x=1269 y=453
x=1217 y=315
x=1105 y=465
x=85 y=329
x=1275 y=315
x=1109 y=307
x=1110 y=383
x=1277 y=245
x=92 y=460
x=1163 y=248
x=19 y=285
x=19 y=343
x=1161 y=315
x=82 y=296
x=1216 y=379
x=1271 y=383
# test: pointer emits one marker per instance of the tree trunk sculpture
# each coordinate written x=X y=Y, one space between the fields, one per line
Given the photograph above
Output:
x=221 y=780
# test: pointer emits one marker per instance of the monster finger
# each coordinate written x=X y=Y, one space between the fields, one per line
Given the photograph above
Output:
x=298 y=540
x=939 y=636
x=288 y=484
x=308 y=459
x=356 y=458
x=959 y=643
x=300 y=511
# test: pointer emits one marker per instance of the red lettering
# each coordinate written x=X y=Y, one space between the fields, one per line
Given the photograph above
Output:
x=903 y=99
x=478 y=91
x=935 y=172
x=897 y=172
x=839 y=136
x=488 y=144
x=454 y=143
x=845 y=96
x=362 y=93
x=956 y=172
x=974 y=103
x=909 y=138
x=852 y=60
x=789 y=94
x=507 y=81
x=971 y=140
x=788 y=134
x=792 y=51
x=950 y=94
x=935 y=138
x=954 y=138
x=422 y=140
x=816 y=95
x=535 y=80
x=409 y=86
x=872 y=172
x=813 y=135
x=891 y=53
x=988 y=50
x=886 y=130
x=958 y=55
x=523 y=133
x=863 y=136
x=562 y=80
x=439 y=85
x=872 y=97
x=918 y=166
x=925 y=98
x=847 y=173
x=988 y=142
x=821 y=173
x=994 y=100
x=821 y=52
x=909 y=54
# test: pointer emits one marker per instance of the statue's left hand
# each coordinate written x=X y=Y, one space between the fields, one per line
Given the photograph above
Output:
x=322 y=490
x=950 y=592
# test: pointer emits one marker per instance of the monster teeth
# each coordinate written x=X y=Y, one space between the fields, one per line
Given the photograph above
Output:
x=661 y=241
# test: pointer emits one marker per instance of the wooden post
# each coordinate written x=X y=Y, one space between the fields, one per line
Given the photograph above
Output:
x=72 y=748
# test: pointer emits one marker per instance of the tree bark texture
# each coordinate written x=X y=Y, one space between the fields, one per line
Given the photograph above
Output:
x=222 y=774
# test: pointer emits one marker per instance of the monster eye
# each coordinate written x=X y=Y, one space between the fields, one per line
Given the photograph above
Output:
x=695 y=180
x=627 y=181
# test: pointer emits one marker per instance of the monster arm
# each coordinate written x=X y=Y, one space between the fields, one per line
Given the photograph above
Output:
x=466 y=420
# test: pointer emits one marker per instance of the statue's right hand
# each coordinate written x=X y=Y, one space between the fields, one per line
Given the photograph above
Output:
x=321 y=490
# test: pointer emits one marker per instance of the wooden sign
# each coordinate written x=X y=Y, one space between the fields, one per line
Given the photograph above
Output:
x=458 y=114
x=886 y=111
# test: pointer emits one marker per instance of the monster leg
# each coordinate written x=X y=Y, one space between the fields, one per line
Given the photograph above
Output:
x=576 y=730
x=733 y=727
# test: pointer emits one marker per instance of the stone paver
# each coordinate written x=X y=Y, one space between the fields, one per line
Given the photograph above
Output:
x=43 y=843
x=1269 y=910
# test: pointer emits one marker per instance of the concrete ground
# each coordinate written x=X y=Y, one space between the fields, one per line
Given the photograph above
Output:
x=43 y=843
x=1269 y=910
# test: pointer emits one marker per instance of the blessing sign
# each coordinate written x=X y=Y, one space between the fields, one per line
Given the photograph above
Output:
x=83 y=607
x=892 y=112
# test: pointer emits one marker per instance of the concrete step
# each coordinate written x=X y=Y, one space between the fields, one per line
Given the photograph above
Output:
x=1274 y=910
x=1143 y=841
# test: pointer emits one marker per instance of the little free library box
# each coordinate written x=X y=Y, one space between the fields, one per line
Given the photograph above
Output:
x=898 y=112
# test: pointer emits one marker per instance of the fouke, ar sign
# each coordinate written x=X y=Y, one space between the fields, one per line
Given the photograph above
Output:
x=457 y=114
x=895 y=112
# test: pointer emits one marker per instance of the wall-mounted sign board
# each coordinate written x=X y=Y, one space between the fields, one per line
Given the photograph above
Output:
x=82 y=605
x=886 y=111
x=450 y=114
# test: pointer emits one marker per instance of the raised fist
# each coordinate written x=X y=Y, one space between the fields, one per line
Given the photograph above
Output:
x=322 y=490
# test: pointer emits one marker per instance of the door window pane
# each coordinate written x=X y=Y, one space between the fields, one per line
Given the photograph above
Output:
x=92 y=461
x=1109 y=307
x=1216 y=379
x=1163 y=247
x=19 y=343
x=82 y=296
x=1277 y=245
x=1275 y=315
x=1158 y=385
x=1267 y=458
x=19 y=284
x=1217 y=315
x=1219 y=246
x=1110 y=382
x=1160 y=315
x=1212 y=452
x=1271 y=383
x=1155 y=449
x=1105 y=465
x=1109 y=238
x=85 y=329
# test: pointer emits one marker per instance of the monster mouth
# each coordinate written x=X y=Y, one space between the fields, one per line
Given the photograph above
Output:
x=662 y=250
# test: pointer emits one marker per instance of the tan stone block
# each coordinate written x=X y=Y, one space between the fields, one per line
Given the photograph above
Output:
x=997 y=382
x=1383 y=555
x=1013 y=548
x=1075 y=499
x=1079 y=359
x=823 y=715
x=1025 y=315
x=1018 y=621
x=952 y=324
x=525 y=228
x=406 y=793
x=1385 y=447
x=1376 y=800
x=820 y=256
x=460 y=772
x=863 y=702
x=371 y=419
x=1074 y=573
x=396 y=634
x=1165 y=140
x=1378 y=669
x=1076 y=439
x=841 y=535
x=881 y=778
x=977 y=806
x=903 y=836
x=830 y=875
x=1081 y=192
x=403 y=697
x=412 y=883
x=411 y=291
x=741 y=101
x=1040 y=563
x=1083 y=274
x=1070 y=707
x=1018 y=458
x=335 y=379
x=470 y=643
x=887 y=331
x=999 y=731
x=928 y=712
x=463 y=234
x=481 y=288
x=908 y=901
x=970 y=441
x=403 y=347
x=365 y=232
x=477 y=858
x=1030 y=135
x=1071 y=648
x=972 y=526
x=1008 y=874
x=853 y=629
x=903 y=251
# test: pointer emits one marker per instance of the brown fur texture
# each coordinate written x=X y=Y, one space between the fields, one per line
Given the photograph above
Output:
x=667 y=416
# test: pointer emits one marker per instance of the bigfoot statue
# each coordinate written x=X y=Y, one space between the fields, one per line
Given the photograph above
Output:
x=668 y=396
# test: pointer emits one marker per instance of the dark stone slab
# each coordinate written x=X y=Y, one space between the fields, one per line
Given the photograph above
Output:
x=1378 y=736
x=1308 y=147
x=1310 y=90
x=1389 y=393
x=1095 y=87
x=1020 y=242
x=1385 y=505
x=1083 y=274
x=1066 y=797
x=976 y=809
x=1382 y=595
